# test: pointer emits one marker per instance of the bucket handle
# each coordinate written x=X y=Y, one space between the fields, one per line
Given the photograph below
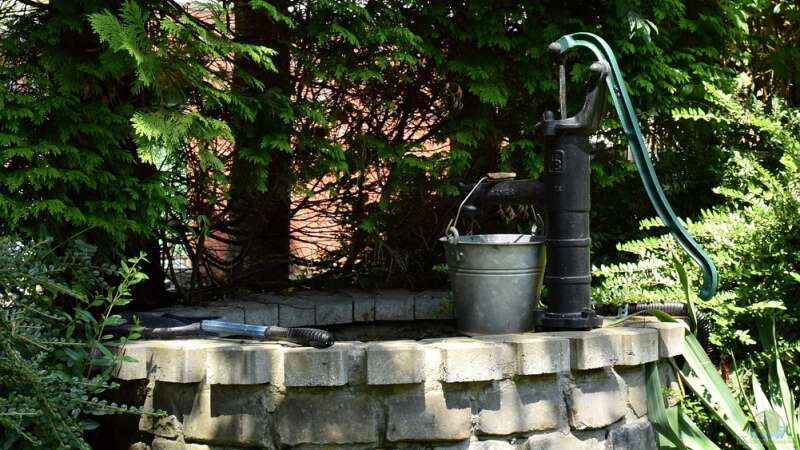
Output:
x=452 y=231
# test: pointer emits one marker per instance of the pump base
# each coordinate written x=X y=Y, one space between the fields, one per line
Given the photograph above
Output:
x=584 y=320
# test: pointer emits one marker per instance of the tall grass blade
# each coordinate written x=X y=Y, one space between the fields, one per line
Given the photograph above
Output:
x=762 y=404
x=656 y=412
x=702 y=377
x=689 y=433
x=687 y=294
x=780 y=395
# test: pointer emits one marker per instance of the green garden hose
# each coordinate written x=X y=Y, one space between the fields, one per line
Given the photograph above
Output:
x=641 y=157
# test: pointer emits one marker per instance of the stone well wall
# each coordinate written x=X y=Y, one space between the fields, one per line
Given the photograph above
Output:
x=570 y=390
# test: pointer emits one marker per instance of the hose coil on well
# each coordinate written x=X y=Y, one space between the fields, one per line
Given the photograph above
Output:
x=704 y=326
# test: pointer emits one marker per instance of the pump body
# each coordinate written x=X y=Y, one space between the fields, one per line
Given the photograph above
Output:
x=565 y=196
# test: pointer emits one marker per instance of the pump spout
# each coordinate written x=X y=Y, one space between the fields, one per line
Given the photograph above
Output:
x=509 y=192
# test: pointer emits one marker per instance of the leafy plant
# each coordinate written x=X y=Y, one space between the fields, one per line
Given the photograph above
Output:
x=66 y=148
x=754 y=238
x=55 y=358
x=374 y=111
x=756 y=421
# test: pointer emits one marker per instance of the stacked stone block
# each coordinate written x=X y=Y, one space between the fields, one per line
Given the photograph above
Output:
x=572 y=390
x=314 y=308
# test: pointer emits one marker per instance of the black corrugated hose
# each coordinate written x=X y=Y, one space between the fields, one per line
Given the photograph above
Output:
x=703 y=332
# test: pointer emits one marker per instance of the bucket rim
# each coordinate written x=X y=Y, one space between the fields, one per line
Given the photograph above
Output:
x=513 y=239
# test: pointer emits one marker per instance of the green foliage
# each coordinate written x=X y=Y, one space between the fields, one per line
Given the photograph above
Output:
x=755 y=420
x=171 y=121
x=773 y=44
x=65 y=135
x=474 y=78
x=115 y=123
x=753 y=239
x=373 y=88
x=777 y=420
x=55 y=358
x=182 y=63
x=673 y=426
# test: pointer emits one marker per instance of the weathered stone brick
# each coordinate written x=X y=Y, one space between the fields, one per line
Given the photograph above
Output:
x=540 y=355
x=296 y=313
x=426 y=417
x=636 y=435
x=491 y=445
x=355 y=361
x=433 y=364
x=477 y=445
x=670 y=334
x=135 y=370
x=529 y=404
x=635 y=388
x=228 y=312
x=591 y=349
x=146 y=421
x=466 y=360
x=230 y=415
x=335 y=417
x=670 y=338
x=165 y=444
x=501 y=379
x=465 y=445
x=395 y=363
x=168 y=427
x=507 y=353
x=316 y=367
x=595 y=399
x=638 y=346
x=333 y=310
x=181 y=361
x=176 y=399
x=560 y=441
x=363 y=306
x=433 y=305
x=669 y=381
x=242 y=364
x=263 y=311
x=394 y=304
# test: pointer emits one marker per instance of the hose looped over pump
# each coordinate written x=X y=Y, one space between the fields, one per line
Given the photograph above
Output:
x=641 y=157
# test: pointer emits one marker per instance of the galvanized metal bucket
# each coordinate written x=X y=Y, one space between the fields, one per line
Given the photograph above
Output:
x=496 y=278
x=496 y=281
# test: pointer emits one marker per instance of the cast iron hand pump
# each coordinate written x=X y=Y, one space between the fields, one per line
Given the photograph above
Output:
x=565 y=192
x=641 y=157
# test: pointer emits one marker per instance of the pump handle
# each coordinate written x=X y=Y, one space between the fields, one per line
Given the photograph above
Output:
x=641 y=157
x=501 y=176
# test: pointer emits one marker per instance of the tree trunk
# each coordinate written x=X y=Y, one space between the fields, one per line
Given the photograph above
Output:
x=149 y=293
x=82 y=44
x=260 y=217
